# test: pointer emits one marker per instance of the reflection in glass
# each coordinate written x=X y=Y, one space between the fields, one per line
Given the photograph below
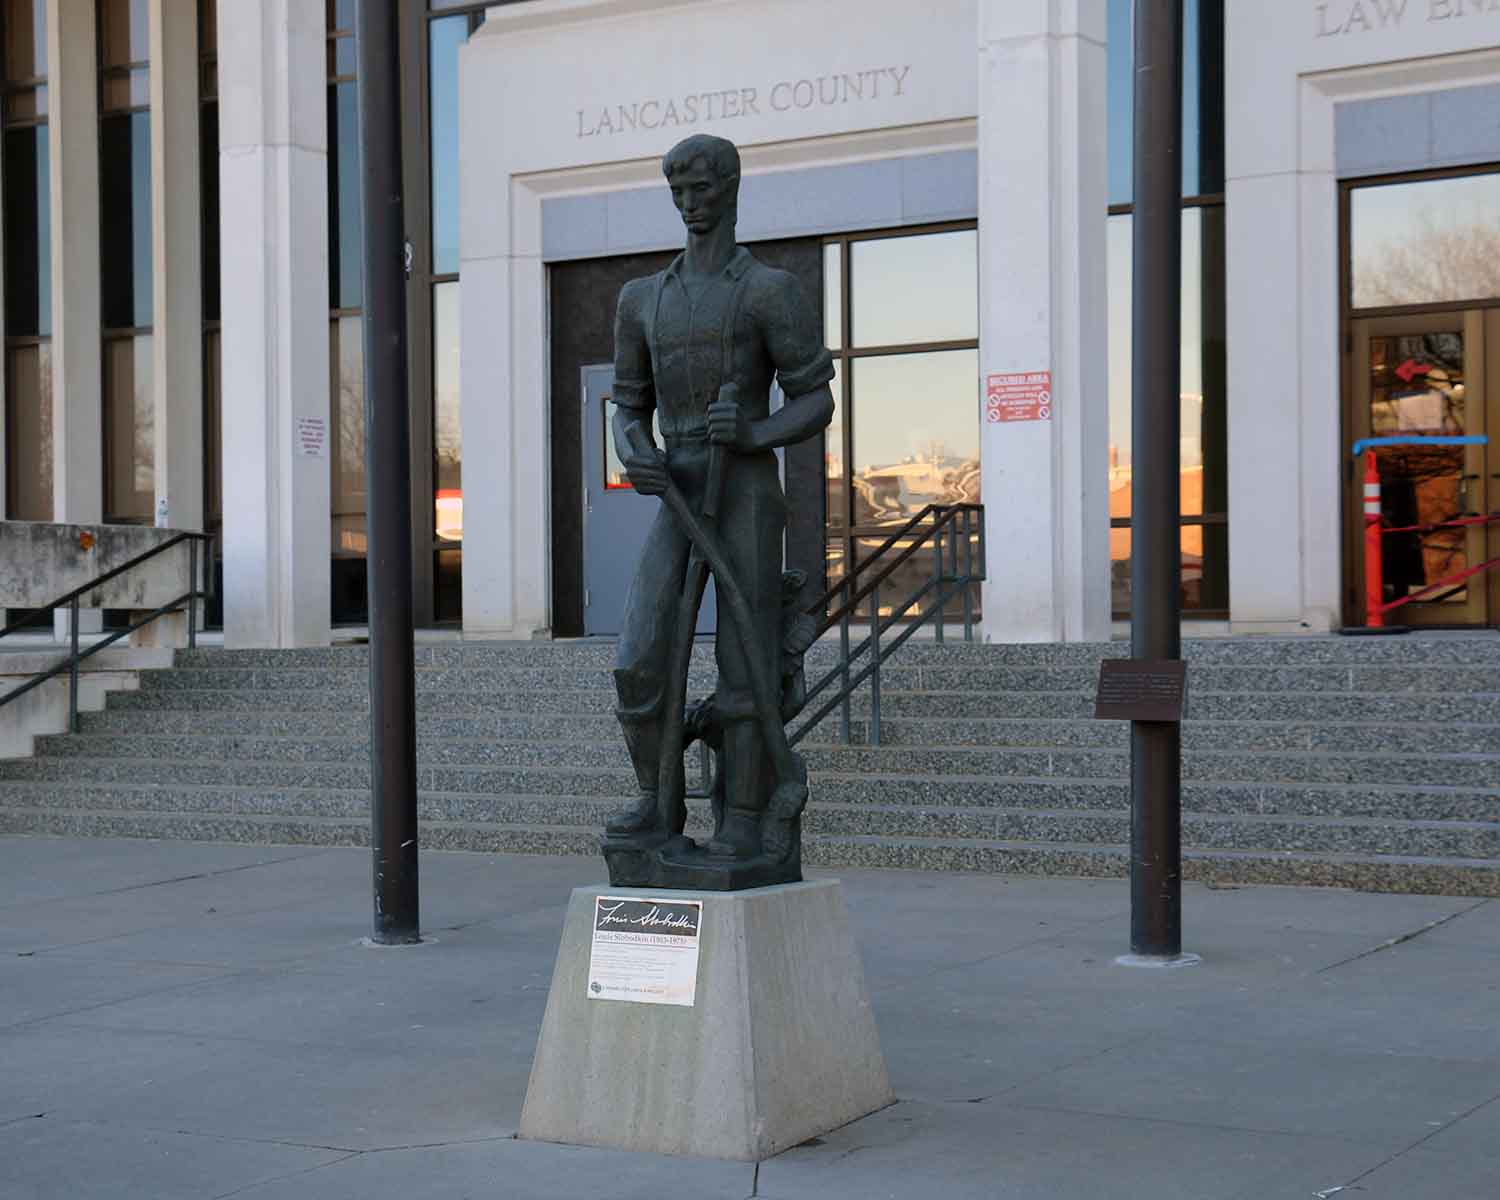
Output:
x=1417 y=387
x=447 y=35
x=123 y=32
x=125 y=218
x=447 y=428
x=129 y=430
x=923 y=288
x=837 y=506
x=347 y=456
x=1202 y=98
x=1205 y=568
x=25 y=40
x=345 y=215
x=833 y=296
x=1202 y=343
x=1428 y=242
x=916 y=433
x=28 y=233
x=28 y=432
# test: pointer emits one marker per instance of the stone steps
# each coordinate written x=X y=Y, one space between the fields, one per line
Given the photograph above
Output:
x=1348 y=762
x=201 y=786
x=1414 y=738
x=1404 y=873
x=1469 y=770
x=1381 y=708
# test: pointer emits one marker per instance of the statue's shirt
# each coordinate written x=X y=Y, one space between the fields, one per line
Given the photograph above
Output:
x=670 y=351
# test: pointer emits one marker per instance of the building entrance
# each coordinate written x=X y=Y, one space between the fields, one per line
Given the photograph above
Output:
x=1424 y=400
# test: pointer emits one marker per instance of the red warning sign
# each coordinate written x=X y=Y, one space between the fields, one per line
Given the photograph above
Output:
x=1018 y=396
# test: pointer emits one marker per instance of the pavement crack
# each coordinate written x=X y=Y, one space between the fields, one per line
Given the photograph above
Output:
x=155 y=883
x=1402 y=1153
x=1391 y=943
x=287 y=1175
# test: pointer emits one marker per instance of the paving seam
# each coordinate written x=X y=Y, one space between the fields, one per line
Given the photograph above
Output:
x=1402 y=939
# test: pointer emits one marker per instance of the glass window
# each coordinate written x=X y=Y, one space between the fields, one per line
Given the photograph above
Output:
x=1202 y=442
x=129 y=430
x=28 y=432
x=345 y=212
x=348 y=449
x=447 y=428
x=1426 y=242
x=1202 y=98
x=213 y=430
x=25 y=40
x=833 y=296
x=905 y=428
x=1205 y=568
x=446 y=35
x=915 y=289
x=916 y=434
x=833 y=454
x=208 y=133
x=28 y=232
x=125 y=213
x=124 y=32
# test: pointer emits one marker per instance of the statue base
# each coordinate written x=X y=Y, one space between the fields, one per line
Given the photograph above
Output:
x=678 y=863
x=778 y=1045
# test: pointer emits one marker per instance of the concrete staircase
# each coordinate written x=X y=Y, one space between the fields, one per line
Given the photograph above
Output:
x=1369 y=763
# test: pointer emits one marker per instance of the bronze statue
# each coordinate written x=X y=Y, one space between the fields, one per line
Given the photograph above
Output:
x=700 y=344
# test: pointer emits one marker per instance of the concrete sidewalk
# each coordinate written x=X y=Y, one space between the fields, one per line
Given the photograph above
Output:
x=196 y=1021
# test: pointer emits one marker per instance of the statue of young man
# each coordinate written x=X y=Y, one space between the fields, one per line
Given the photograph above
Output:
x=700 y=343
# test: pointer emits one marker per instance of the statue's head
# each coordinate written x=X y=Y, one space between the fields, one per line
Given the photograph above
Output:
x=704 y=174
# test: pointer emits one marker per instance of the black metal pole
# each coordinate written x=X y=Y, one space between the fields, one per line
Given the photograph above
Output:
x=393 y=737
x=1156 y=565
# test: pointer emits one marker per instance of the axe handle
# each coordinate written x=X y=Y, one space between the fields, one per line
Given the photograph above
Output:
x=713 y=489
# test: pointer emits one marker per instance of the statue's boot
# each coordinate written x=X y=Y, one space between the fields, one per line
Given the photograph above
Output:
x=643 y=740
x=746 y=772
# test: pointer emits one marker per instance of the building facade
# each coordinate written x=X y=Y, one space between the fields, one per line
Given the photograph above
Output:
x=950 y=181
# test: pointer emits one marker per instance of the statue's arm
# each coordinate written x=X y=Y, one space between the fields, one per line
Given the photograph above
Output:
x=795 y=421
x=635 y=393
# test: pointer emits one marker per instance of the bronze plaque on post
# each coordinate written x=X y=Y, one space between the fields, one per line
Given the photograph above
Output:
x=1141 y=689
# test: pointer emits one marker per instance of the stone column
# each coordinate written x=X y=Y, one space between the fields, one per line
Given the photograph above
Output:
x=77 y=349
x=177 y=274
x=273 y=179
x=1042 y=207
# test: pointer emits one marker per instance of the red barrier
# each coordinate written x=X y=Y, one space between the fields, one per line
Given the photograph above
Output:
x=1374 y=572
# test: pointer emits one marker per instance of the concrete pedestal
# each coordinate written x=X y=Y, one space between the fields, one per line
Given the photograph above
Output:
x=779 y=1045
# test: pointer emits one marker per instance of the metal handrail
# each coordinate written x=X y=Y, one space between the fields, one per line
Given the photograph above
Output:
x=963 y=525
x=71 y=599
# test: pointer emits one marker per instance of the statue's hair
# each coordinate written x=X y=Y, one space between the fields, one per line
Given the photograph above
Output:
x=720 y=155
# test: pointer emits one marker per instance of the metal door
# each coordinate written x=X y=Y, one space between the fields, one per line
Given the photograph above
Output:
x=1415 y=381
x=615 y=519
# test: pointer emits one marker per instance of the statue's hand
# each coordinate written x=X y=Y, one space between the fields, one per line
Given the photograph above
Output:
x=648 y=473
x=727 y=423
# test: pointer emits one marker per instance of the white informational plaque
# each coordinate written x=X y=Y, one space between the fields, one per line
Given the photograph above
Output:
x=645 y=951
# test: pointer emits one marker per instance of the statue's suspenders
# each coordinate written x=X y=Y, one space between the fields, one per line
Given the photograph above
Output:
x=731 y=319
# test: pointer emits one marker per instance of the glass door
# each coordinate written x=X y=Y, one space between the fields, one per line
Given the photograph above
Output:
x=1418 y=402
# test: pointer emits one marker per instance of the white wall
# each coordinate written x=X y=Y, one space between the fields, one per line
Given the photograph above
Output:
x=1288 y=63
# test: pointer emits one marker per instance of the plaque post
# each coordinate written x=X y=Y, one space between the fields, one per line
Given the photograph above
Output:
x=393 y=737
x=1156 y=565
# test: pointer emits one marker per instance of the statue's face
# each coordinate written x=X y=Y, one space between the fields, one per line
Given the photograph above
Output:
x=701 y=196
